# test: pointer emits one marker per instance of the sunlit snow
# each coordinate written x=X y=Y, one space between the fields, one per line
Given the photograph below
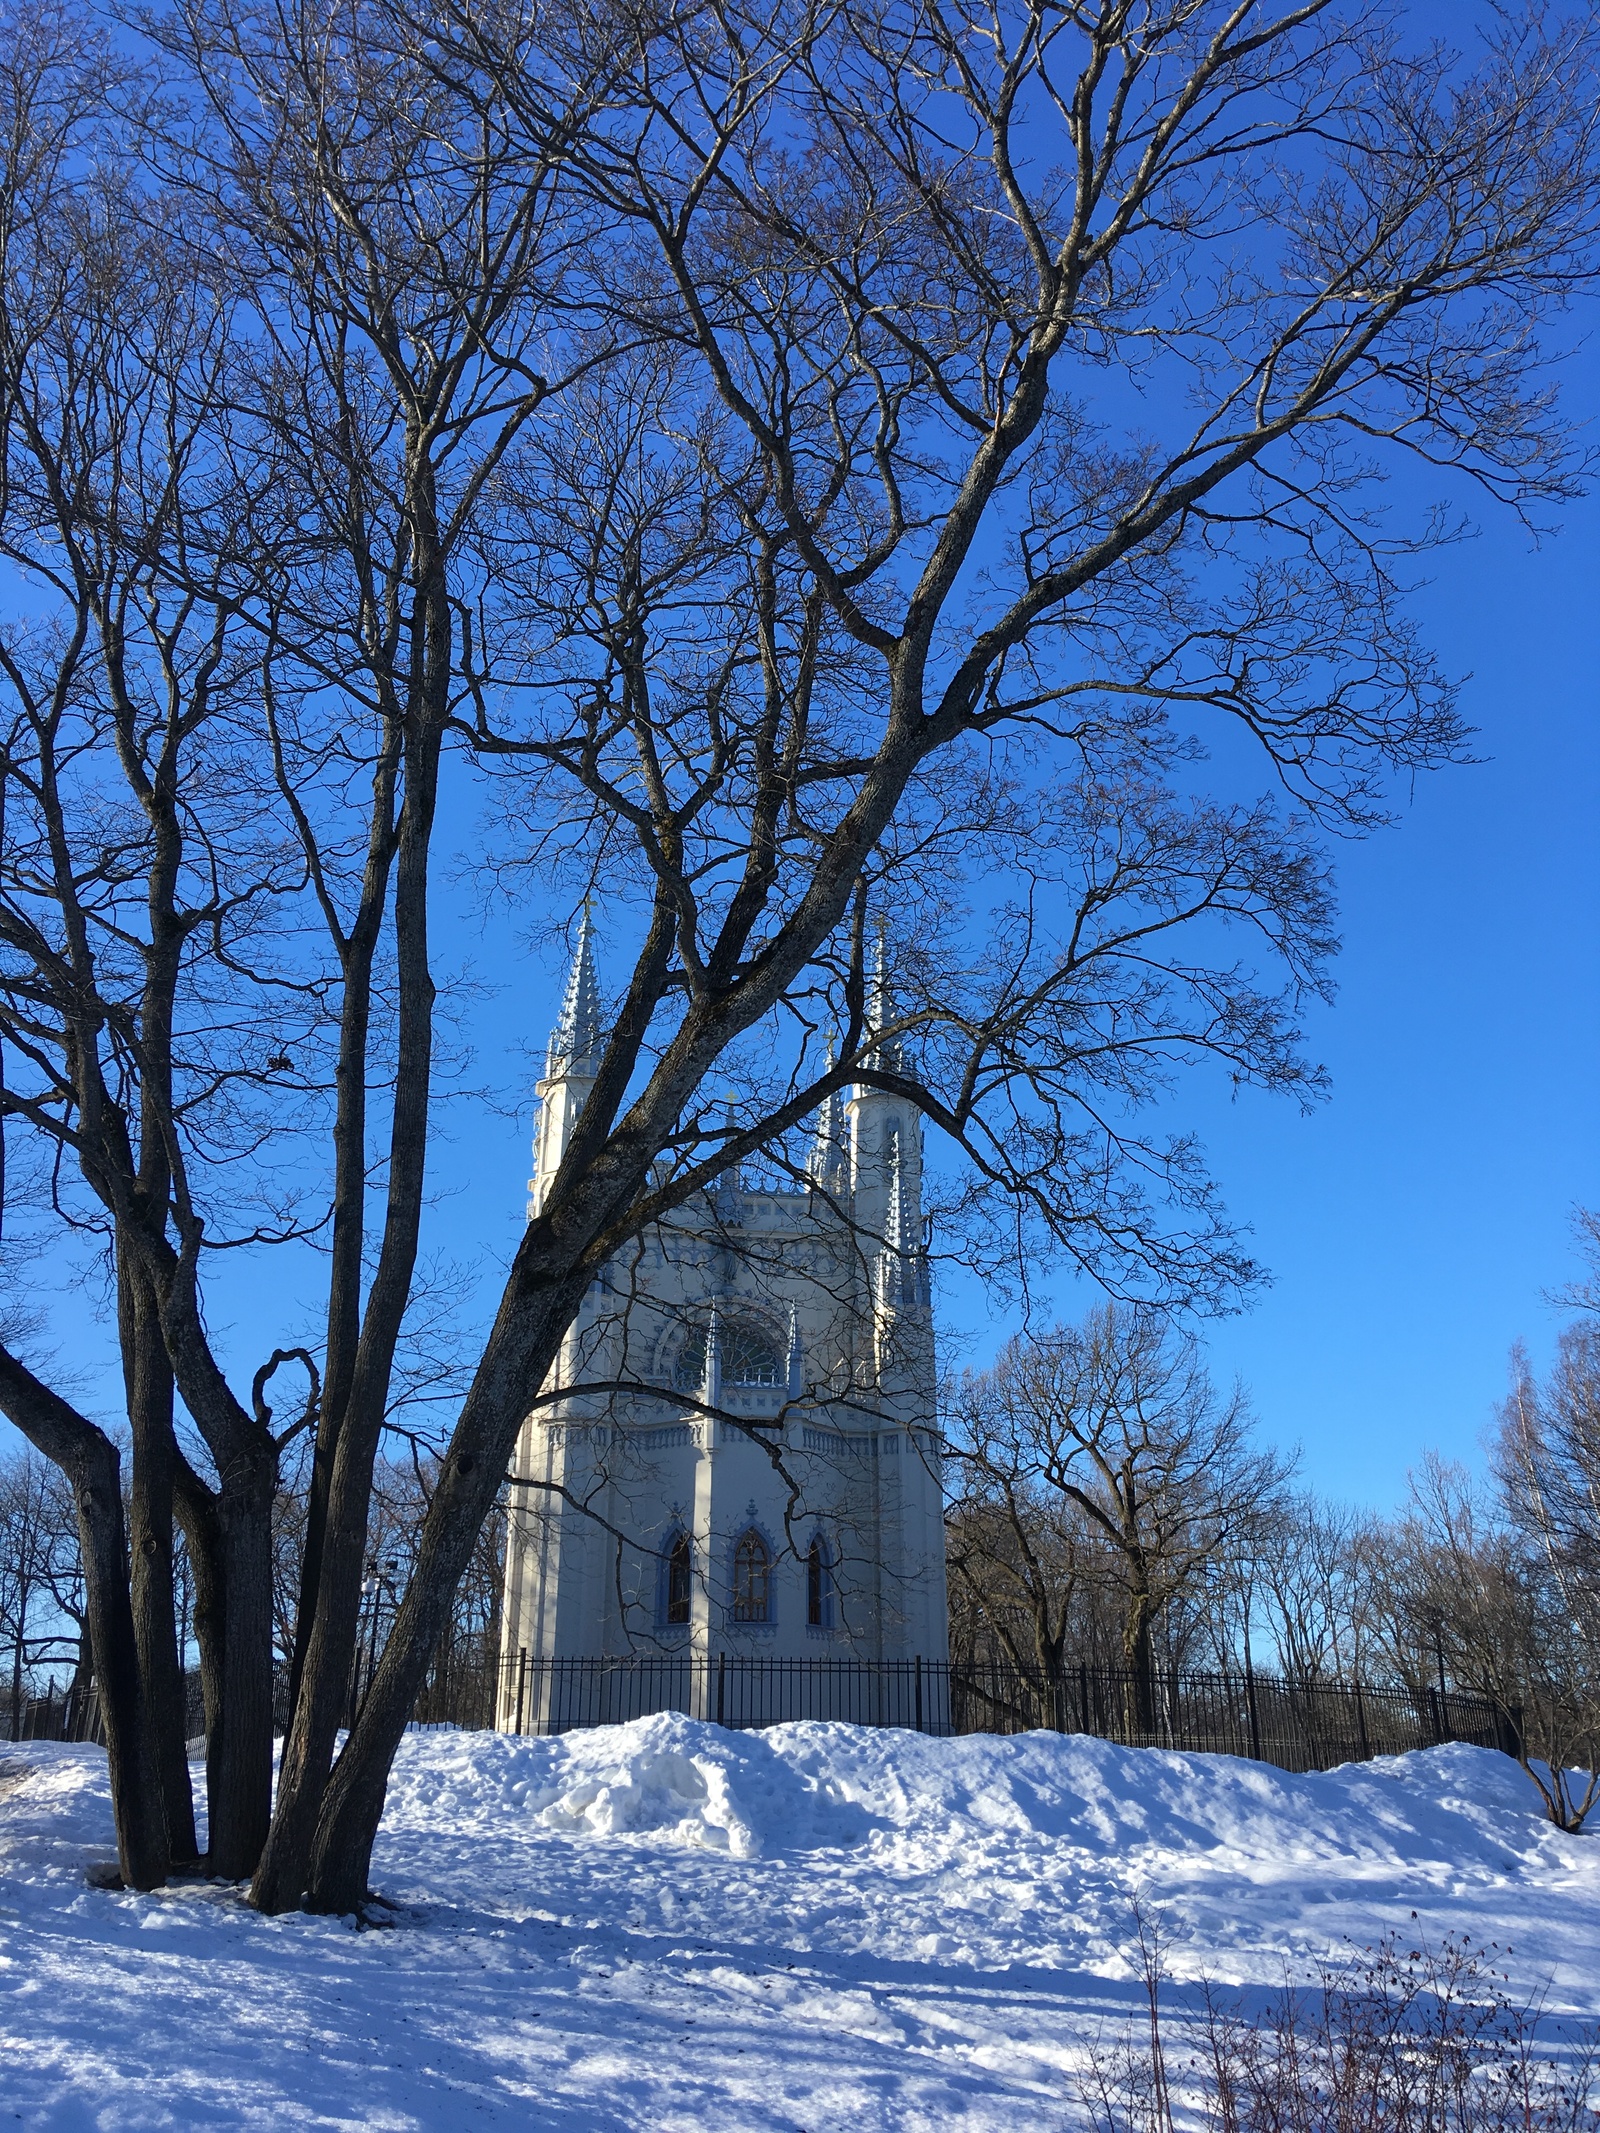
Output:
x=665 y=1925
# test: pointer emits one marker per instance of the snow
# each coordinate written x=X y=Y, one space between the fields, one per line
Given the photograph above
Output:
x=665 y=1925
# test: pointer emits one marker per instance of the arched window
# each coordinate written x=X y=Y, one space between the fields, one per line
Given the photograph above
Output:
x=746 y=1355
x=819 y=1585
x=676 y=1610
x=752 y=1579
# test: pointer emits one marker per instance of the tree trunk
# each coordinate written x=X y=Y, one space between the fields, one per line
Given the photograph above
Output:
x=197 y=1514
x=336 y=1541
x=1138 y=1644
x=136 y=1796
x=88 y=1458
x=239 y=1760
x=239 y=1735
x=148 y=1378
x=518 y=1357
x=324 y=1684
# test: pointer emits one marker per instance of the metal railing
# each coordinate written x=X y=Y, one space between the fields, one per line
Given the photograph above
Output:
x=1298 y=1726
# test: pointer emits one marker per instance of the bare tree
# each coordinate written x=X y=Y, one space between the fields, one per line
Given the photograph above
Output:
x=1548 y=1463
x=882 y=245
x=135 y=866
x=1309 y=1591
x=830 y=580
x=113 y=389
x=38 y=1559
x=1027 y=1574
x=1107 y=1440
x=1463 y=1596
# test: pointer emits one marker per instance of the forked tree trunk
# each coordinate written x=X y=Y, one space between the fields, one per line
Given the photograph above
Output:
x=337 y=1530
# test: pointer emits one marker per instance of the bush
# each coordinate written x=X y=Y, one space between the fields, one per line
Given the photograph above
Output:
x=1398 y=2039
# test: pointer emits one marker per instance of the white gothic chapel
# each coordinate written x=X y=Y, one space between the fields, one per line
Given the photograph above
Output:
x=641 y=1525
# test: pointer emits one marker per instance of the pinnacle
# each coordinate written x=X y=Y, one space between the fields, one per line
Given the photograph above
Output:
x=575 y=1040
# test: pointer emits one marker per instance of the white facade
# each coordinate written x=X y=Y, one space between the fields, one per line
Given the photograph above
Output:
x=816 y=1530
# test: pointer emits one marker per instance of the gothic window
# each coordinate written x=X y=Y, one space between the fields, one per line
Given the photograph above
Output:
x=752 y=1579
x=676 y=1610
x=747 y=1356
x=819 y=1585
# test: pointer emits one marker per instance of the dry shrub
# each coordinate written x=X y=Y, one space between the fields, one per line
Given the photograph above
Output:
x=1401 y=2038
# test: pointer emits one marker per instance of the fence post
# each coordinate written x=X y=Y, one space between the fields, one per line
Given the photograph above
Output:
x=722 y=1675
x=522 y=1682
x=1250 y=1705
x=1361 y=1724
x=919 y=1692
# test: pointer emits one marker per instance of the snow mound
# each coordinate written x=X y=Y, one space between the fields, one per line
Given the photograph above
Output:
x=667 y=1926
x=55 y=1811
x=818 y=1786
x=668 y=1777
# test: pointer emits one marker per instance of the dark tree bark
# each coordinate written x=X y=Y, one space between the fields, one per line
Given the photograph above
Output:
x=89 y=1459
x=196 y=1509
x=148 y=1380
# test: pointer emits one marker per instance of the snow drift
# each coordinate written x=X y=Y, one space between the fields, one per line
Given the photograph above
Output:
x=667 y=1925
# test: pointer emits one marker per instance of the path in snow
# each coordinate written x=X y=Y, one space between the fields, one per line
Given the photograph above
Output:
x=664 y=1925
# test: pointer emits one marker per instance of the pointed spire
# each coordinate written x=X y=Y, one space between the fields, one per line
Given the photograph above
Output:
x=830 y=1151
x=880 y=1008
x=575 y=1040
x=894 y=1213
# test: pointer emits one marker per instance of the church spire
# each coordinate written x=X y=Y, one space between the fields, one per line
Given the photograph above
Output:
x=880 y=1011
x=571 y=1063
x=898 y=1273
x=575 y=1040
x=830 y=1151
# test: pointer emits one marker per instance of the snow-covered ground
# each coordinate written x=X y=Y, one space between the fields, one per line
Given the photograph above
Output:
x=664 y=1925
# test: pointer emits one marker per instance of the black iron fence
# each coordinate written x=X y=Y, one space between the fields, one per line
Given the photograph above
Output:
x=1296 y=1725
x=71 y=1711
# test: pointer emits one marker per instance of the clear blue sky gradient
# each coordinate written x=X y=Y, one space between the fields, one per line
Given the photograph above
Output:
x=1414 y=1224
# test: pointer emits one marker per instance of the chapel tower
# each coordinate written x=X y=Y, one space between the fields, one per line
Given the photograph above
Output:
x=801 y=1519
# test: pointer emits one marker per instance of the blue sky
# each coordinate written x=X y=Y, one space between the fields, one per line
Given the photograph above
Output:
x=1414 y=1223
